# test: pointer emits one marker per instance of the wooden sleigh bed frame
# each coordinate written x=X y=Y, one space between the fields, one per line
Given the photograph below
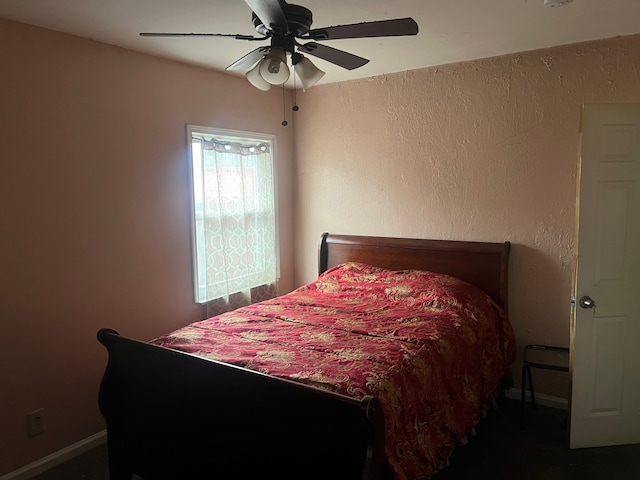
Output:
x=172 y=415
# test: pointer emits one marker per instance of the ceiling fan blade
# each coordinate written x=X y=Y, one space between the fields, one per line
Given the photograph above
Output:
x=250 y=59
x=383 y=28
x=338 y=57
x=237 y=36
x=270 y=14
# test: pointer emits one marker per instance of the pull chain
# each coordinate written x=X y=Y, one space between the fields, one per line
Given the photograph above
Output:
x=295 y=107
x=284 y=109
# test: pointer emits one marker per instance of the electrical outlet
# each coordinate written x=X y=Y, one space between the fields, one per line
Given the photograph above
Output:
x=35 y=422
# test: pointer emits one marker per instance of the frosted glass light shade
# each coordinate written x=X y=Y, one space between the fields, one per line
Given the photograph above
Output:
x=308 y=73
x=256 y=79
x=273 y=67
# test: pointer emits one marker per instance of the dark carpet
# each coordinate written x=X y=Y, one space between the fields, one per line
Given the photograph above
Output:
x=501 y=450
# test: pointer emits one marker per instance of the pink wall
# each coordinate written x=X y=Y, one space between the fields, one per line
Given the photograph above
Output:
x=484 y=150
x=95 y=215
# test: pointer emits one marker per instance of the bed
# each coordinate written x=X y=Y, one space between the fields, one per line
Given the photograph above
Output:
x=243 y=407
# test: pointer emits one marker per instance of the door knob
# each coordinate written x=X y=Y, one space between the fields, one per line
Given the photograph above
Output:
x=587 y=302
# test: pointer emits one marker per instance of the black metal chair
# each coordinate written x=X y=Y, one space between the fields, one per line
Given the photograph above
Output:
x=545 y=357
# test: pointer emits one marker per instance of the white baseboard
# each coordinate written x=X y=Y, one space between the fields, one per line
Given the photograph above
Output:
x=56 y=458
x=541 y=399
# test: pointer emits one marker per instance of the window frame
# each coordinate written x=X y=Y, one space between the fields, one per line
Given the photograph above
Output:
x=234 y=136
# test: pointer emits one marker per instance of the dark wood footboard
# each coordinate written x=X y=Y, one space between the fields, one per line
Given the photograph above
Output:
x=171 y=415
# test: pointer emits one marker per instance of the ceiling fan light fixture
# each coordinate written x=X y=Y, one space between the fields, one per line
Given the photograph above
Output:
x=273 y=67
x=307 y=72
x=283 y=24
x=255 y=78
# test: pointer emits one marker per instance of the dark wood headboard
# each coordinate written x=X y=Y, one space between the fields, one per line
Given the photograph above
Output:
x=482 y=264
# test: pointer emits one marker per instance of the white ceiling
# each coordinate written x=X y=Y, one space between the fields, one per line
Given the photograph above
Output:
x=450 y=30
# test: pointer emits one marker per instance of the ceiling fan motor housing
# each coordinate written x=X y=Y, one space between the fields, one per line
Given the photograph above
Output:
x=299 y=20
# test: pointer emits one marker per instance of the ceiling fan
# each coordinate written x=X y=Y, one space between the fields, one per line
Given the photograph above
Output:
x=284 y=24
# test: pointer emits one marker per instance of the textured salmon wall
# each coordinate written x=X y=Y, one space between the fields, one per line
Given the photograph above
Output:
x=484 y=150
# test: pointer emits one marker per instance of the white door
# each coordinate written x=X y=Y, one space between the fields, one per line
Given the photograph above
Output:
x=605 y=394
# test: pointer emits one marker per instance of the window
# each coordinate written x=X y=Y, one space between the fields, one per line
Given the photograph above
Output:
x=234 y=219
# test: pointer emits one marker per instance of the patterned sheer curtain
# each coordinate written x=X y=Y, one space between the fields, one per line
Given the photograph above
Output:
x=235 y=224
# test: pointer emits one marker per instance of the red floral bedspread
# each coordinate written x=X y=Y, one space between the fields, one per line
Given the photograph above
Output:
x=431 y=347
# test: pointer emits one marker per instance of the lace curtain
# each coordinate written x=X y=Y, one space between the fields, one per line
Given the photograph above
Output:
x=235 y=221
